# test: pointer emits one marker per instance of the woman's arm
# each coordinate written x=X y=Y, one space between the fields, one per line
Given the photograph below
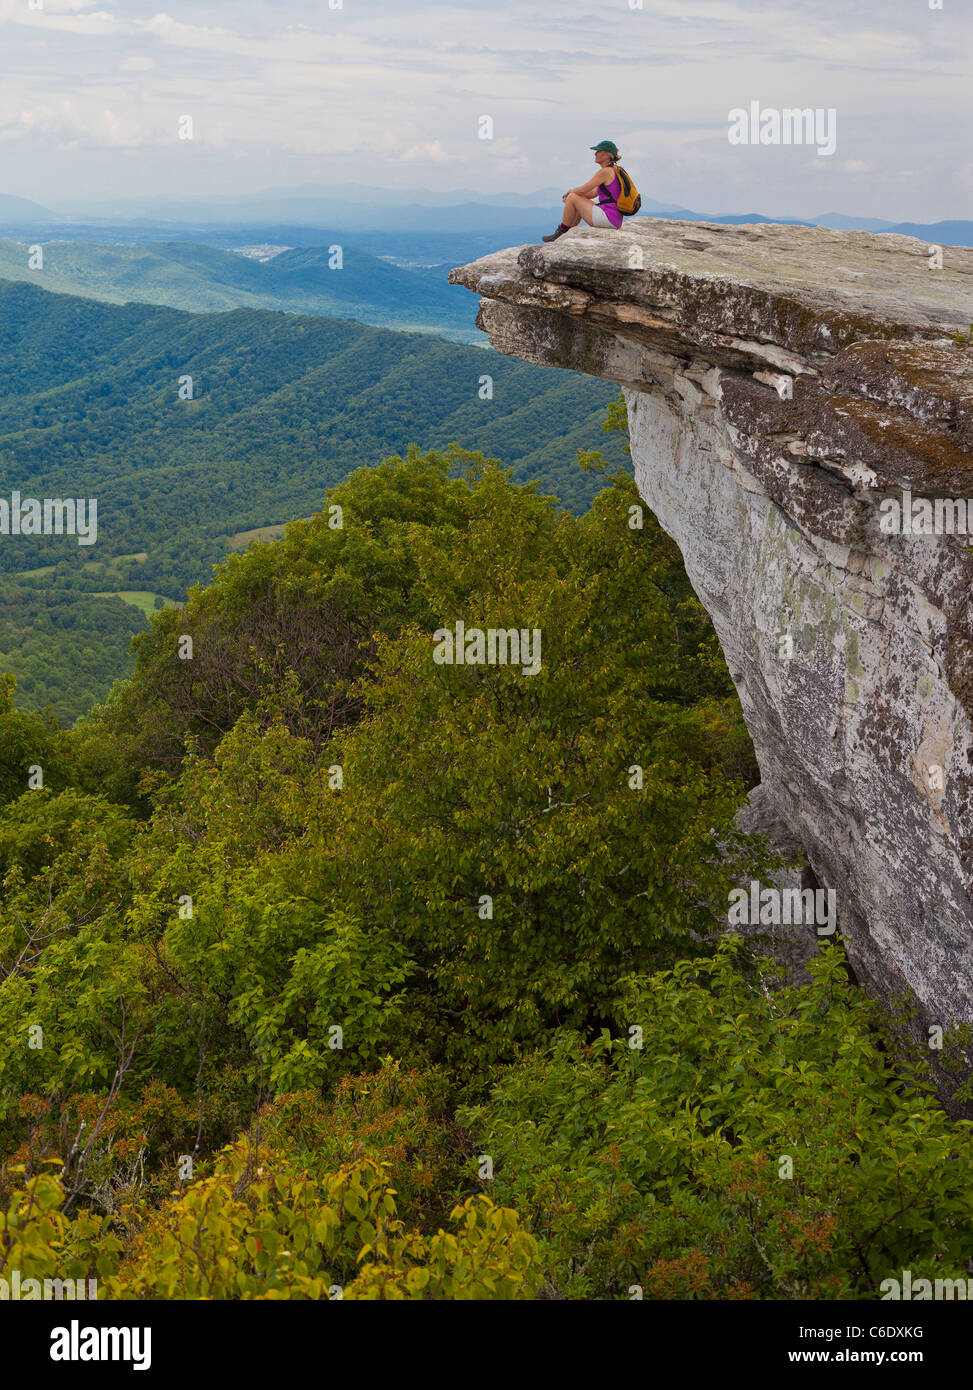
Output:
x=586 y=190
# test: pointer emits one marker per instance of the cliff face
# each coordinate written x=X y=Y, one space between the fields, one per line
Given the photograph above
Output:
x=781 y=382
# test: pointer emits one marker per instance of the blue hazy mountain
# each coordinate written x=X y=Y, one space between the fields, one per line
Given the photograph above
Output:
x=497 y=219
x=313 y=205
x=21 y=211
x=950 y=233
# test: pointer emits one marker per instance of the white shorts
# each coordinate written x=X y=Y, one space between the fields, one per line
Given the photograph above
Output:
x=599 y=218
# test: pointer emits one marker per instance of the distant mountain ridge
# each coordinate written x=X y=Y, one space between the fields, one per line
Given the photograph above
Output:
x=206 y=279
x=952 y=233
x=13 y=210
x=413 y=209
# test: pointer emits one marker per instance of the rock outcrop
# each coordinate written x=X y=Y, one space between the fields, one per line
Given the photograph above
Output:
x=784 y=384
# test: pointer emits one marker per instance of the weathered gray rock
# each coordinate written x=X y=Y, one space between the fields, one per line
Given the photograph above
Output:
x=780 y=381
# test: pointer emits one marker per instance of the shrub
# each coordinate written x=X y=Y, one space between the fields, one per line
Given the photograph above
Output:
x=756 y=1145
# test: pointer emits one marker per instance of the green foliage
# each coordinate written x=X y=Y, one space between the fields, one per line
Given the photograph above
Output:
x=259 y=1229
x=39 y=1242
x=401 y=1118
x=519 y=788
x=286 y=628
x=64 y=885
x=666 y=1165
x=456 y=782
x=616 y=418
x=65 y=646
x=26 y=741
x=280 y=908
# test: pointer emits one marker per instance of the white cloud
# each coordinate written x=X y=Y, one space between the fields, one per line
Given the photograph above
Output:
x=59 y=16
x=72 y=125
x=163 y=26
x=431 y=152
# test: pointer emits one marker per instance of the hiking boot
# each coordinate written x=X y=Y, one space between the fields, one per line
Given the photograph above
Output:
x=554 y=235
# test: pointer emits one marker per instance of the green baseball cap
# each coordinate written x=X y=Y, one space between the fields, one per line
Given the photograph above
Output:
x=608 y=146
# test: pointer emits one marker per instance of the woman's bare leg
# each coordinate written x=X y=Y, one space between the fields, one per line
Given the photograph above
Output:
x=576 y=209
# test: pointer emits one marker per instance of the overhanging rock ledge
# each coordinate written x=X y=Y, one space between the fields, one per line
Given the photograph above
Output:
x=781 y=381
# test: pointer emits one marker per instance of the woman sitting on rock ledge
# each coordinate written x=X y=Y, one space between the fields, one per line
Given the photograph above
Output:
x=578 y=202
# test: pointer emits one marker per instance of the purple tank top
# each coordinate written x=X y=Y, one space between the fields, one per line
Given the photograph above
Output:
x=607 y=195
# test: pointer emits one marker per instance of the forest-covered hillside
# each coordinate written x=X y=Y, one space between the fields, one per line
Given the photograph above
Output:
x=334 y=969
x=96 y=404
x=204 y=278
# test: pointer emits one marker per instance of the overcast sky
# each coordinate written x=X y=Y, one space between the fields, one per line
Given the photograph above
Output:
x=287 y=92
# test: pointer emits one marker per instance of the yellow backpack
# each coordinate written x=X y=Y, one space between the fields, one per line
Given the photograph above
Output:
x=629 y=200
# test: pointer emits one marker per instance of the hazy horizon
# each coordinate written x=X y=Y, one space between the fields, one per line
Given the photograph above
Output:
x=78 y=210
